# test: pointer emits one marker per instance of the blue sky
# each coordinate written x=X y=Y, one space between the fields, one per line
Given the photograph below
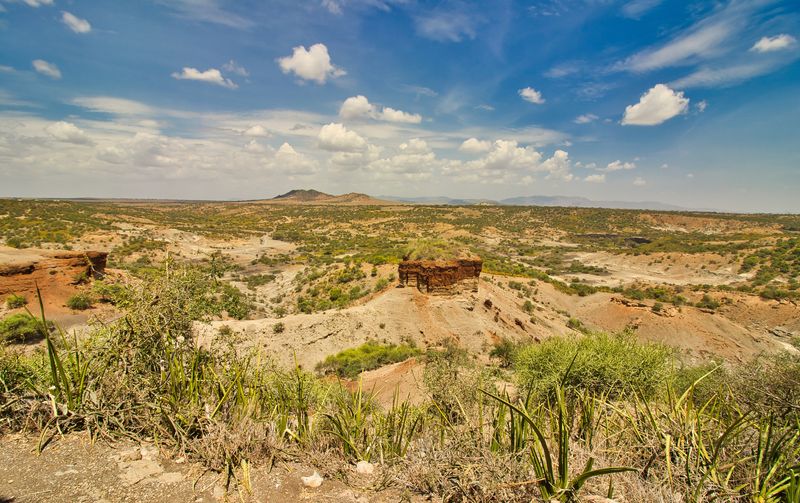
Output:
x=695 y=104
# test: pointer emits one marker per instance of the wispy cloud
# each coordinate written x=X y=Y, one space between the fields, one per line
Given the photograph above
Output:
x=207 y=11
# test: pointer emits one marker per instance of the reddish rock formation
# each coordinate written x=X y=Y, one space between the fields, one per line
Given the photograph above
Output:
x=21 y=271
x=441 y=277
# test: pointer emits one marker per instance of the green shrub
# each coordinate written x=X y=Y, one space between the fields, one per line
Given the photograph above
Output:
x=278 y=328
x=20 y=327
x=15 y=301
x=79 y=302
x=612 y=364
x=368 y=356
x=707 y=302
x=504 y=351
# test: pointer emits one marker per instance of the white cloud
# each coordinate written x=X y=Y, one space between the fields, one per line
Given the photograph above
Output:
x=485 y=107
x=254 y=147
x=47 y=69
x=337 y=138
x=656 y=106
x=211 y=76
x=75 y=23
x=68 y=133
x=357 y=107
x=475 y=146
x=446 y=26
x=726 y=75
x=37 y=3
x=585 y=119
x=531 y=95
x=312 y=64
x=776 y=43
x=333 y=6
x=234 y=67
x=637 y=8
x=392 y=115
x=701 y=106
x=619 y=166
x=597 y=178
x=289 y=161
x=639 y=182
x=112 y=105
x=257 y=131
x=415 y=146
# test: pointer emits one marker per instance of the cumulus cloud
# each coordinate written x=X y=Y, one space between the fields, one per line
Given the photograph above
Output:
x=619 y=166
x=415 y=146
x=701 y=106
x=258 y=130
x=639 y=182
x=531 y=95
x=585 y=119
x=75 y=23
x=337 y=138
x=656 y=106
x=597 y=178
x=776 y=43
x=47 y=69
x=475 y=146
x=69 y=133
x=312 y=64
x=359 y=107
x=211 y=76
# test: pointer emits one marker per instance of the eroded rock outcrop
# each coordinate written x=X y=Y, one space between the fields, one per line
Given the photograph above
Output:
x=21 y=272
x=441 y=277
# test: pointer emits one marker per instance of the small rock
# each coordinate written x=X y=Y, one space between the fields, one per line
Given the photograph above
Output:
x=180 y=460
x=314 y=480
x=133 y=455
x=218 y=493
x=365 y=468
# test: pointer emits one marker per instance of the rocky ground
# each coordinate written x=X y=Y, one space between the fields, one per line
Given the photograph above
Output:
x=75 y=469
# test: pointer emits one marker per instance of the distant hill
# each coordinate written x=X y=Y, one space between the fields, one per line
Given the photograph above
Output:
x=311 y=196
x=582 y=202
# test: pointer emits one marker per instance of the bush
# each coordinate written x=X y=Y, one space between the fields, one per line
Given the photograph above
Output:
x=368 y=356
x=79 y=302
x=611 y=364
x=504 y=351
x=20 y=327
x=15 y=301
x=707 y=302
x=278 y=328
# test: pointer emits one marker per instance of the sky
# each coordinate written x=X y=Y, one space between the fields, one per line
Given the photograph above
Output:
x=695 y=104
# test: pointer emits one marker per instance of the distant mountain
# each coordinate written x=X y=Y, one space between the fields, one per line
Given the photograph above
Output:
x=303 y=195
x=438 y=200
x=582 y=202
x=311 y=196
x=564 y=201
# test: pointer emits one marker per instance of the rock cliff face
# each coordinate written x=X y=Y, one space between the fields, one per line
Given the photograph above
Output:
x=20 y=274
x=441 y=277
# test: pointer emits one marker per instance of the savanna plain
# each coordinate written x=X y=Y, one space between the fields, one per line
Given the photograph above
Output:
x=276 y=351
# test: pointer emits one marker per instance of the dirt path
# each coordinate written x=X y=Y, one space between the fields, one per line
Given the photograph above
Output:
x=73 y=469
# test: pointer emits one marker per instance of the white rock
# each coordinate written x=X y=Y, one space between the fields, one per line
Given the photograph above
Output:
x=314 y=480
x=365 y=468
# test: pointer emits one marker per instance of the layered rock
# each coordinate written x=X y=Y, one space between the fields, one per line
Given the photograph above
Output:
x=22 y=271
x=441 y=277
